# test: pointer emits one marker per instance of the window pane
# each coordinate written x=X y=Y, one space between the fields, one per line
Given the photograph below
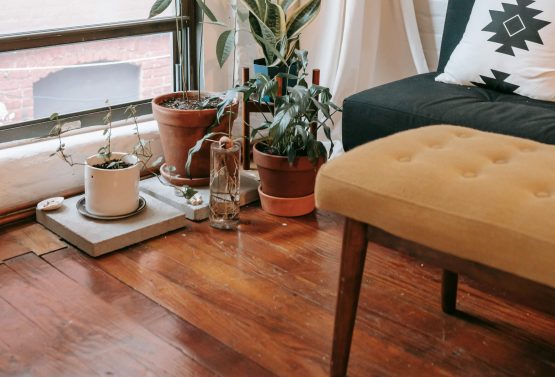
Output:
x=32 y=15
x=64 y=79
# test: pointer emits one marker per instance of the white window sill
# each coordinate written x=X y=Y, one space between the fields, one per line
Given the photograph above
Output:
x=29 y=174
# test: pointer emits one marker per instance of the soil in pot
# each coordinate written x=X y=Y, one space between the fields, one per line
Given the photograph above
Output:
x=181 y=125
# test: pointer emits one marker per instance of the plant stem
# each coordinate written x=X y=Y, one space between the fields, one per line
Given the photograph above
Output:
x=201 y=47
x=230 y=120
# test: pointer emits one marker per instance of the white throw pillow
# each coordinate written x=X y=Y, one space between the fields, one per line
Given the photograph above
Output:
x=509 y=46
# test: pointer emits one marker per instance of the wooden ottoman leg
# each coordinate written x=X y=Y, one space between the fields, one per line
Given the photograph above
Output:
x=449 y=284
x=355 y=241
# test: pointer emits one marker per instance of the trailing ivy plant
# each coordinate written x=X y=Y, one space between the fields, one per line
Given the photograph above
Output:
x=296 y=117
x=141 y=150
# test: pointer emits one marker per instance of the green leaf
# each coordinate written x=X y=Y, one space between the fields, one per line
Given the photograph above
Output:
x=224 y=46
x=197 y=148
x=270 y=89
x=207 y=11
x=335 y=107
x=323 y=108
x=275 y=20
x=158 y=7
x=252 y=6
x=302 y=17
x=272 y=48
x=266 y=38
x=291 y=155
x=285 y=4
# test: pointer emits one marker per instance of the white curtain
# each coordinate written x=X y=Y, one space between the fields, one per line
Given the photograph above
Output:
x=357 y=44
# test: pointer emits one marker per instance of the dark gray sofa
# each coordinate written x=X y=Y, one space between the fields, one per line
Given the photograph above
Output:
x=419 y=101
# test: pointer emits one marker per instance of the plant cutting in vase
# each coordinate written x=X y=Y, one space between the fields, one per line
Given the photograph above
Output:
x=185 y=117
x=289 y=155
x=112 y=178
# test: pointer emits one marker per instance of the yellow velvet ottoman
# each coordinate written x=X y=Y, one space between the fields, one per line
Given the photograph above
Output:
x=471 y=202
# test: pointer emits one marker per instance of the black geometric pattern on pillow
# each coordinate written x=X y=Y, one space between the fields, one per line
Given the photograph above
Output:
x=515 y=25
x=498 y=82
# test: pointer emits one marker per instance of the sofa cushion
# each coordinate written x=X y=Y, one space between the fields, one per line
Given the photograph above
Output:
x=480 y=196
x=419 y=101
x=507 y=47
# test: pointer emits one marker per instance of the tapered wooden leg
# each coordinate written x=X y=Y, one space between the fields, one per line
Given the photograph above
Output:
x=355 y=241
x=449 y=284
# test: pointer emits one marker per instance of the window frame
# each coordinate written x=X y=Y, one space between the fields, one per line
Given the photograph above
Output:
x=39 y=128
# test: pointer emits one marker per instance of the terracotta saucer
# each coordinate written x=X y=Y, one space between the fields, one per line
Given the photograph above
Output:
x=180 y=181
x=286 y=207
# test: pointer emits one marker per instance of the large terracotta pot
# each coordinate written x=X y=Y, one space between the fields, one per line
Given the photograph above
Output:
x=286 y=190
x=180 y=130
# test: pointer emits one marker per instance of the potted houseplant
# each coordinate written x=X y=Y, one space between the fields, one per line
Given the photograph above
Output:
x=185 y=117
x=276 y=27
x=111 y=179
x=289 y=155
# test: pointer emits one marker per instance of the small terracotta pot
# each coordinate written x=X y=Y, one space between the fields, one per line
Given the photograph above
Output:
x=280 y=179
x=179 y=132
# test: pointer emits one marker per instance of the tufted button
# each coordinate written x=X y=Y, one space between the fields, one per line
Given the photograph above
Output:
x=469 y=174
x=404 y=159
x=542 y=194
x=500 y=161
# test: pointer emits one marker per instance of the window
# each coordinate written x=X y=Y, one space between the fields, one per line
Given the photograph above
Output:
x=72 y=57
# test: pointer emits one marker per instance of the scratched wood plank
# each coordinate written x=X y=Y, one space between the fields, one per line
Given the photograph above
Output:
x=300 y=257
x=25 y=237
x=159 y=321
x=81 y=327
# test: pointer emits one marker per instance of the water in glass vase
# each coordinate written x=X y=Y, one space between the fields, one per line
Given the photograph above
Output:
x=225 y=163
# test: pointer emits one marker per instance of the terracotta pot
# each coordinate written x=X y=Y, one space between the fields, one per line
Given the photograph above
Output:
x=112 y=192
x=280 y=179
x=179 y=132
x=288 y=207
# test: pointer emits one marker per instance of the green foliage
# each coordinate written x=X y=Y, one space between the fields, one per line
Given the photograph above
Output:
x=276 y=27
x=295 y=115
x=225 y=45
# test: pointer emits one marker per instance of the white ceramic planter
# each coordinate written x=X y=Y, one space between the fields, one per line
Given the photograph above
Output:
x=112 y=192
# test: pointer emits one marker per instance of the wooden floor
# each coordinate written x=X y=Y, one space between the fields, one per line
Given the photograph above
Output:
x=257 y=302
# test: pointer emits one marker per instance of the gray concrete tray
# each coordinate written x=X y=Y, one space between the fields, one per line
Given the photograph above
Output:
x=153 y=187
x=97 y=237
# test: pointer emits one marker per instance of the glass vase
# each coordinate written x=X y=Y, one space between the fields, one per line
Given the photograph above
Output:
x=225 y=164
